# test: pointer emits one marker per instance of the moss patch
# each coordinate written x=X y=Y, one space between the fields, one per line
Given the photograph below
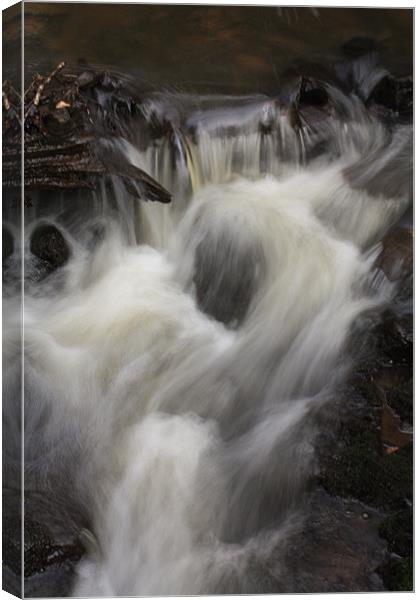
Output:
x=360 y=471
x=400 y=398
x=397 y=529
x=397 y=575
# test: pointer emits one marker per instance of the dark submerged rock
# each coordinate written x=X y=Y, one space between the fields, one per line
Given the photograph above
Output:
x=226 y=279
x=395 y=94
x=48 y=244
x=314 y=96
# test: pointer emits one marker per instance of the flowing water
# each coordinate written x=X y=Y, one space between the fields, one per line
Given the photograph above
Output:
x=176 y=368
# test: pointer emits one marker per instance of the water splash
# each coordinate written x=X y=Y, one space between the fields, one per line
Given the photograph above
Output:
x=175 y=370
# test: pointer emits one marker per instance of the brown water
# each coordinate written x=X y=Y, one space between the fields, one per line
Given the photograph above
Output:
x=207 y=48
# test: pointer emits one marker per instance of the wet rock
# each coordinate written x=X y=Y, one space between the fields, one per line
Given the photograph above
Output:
x=337 y=549
x=48 y=244
x=359 y=469
x=397 y=574
x=399 y=389
x=396 y=260
x=50 y=539
x=376 y=407
x=395 y=94
x=394 y=335
x=358 y=46
x=308 y=92
x=41 y=550
x=7 y=244
x=385 y=93
x=314 y=96
x=225 y=279
x=393 y=434
x=371 y=458
x=53 y=544
x=397 y=530
x=55 y=581
x=87 y=79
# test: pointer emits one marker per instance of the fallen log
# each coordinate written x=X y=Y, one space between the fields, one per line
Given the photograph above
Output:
x=63 y=125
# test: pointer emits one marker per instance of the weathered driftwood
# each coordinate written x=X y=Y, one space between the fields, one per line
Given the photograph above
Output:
x=63 y=124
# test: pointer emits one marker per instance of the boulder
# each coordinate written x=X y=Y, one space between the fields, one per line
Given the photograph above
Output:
x=394 y=94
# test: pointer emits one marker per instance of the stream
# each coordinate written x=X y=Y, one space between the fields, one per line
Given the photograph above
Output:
x=180 y=359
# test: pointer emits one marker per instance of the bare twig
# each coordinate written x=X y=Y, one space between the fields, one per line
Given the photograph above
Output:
x=46 y=82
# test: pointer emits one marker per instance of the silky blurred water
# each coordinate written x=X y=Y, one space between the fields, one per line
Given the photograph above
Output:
x=176 y=366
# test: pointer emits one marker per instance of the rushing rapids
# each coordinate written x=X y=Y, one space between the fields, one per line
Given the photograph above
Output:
x=178 y=359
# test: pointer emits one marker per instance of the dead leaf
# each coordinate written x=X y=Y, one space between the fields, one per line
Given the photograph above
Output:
x=62 y=104
x=392 y=436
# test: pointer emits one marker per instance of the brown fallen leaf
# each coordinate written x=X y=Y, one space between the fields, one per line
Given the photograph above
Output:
x=387 y=450
x=392 y=436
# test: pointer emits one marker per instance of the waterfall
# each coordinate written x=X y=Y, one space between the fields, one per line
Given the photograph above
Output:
x=176 y=366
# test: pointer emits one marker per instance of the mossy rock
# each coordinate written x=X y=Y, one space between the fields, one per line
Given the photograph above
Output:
x=397 y=529
x=397 y=575
x=400 y=398
x=395 y=339
x=359 y=470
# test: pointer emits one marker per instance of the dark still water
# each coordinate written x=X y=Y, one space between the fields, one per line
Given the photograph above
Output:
x=209 y=48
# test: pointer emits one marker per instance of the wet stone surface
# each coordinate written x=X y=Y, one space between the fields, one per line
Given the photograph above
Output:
x=338 y=548
x=370 y=458
x=52 y=546
x=48 y=244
